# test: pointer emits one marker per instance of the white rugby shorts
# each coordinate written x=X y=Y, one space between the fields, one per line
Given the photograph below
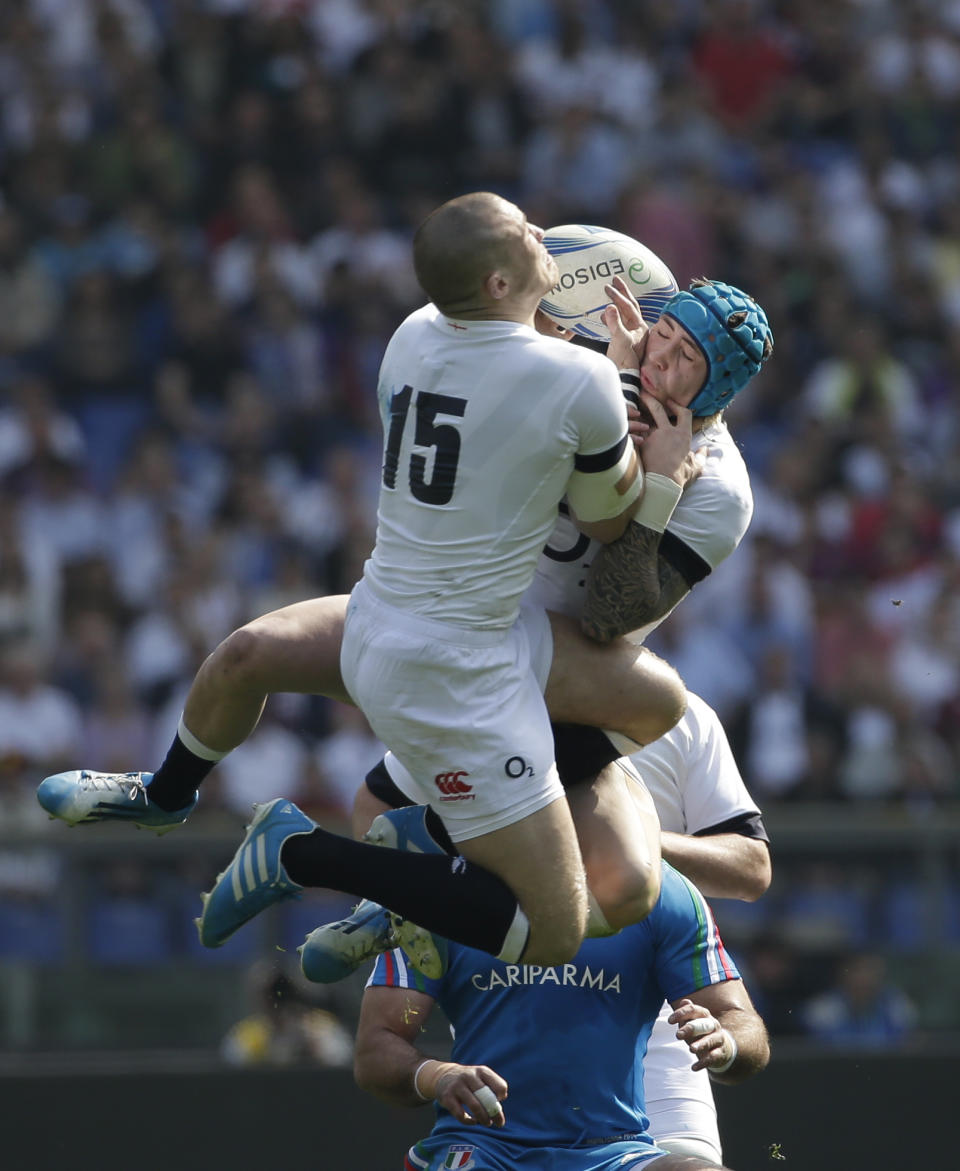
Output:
x=462 y=710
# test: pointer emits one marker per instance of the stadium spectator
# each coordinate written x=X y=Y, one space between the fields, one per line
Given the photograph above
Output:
x=39 y=722
x=742 y=61
x=864 y=1008
x=29 y=298
x=787 y=738
x=29 y=584
x=285 y=1026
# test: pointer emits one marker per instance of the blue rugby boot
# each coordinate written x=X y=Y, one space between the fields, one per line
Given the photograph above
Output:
x=406 y=829
x=403 y=829
x=255 y=878
x=335 y=951
x=83 y=796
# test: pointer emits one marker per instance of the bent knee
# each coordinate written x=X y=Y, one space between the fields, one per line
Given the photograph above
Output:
x=665 y=703
x=239 y=656
x=557 y=933
x=626 y=893
x=549 y=948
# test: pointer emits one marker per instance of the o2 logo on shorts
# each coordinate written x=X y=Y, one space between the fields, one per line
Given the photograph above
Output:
x=453 y=787
x=516 y=767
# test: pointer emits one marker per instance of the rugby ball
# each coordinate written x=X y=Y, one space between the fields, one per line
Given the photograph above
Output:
x=589 y=258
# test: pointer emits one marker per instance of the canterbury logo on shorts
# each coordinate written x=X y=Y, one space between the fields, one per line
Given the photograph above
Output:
x=453 y=787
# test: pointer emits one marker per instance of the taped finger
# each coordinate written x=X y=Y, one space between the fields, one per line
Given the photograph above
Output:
x=701 y=1026
x=488 y=1100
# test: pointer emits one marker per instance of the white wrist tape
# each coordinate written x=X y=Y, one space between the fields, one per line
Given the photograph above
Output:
x=733 y=1054
x=416 y=1074
x=660 y=497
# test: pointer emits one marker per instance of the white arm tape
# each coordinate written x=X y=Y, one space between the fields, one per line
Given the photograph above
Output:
x=660 y=497
x=416 y=1074
x=594 y=495
x=733 y=1054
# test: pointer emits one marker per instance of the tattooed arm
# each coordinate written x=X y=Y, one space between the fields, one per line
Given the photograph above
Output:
x=630 y=584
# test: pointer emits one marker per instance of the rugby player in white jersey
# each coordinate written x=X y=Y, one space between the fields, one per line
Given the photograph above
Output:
x=487 y=425
x=712 y=830
x=293 y=649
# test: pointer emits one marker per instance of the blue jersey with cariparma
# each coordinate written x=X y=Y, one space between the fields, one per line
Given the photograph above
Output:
x=570 y=1039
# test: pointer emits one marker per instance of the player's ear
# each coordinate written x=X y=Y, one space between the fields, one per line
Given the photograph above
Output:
x=496 y=286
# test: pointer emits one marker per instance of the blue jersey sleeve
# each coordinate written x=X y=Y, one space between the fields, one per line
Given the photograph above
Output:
x=394 y=970
x=689 y=952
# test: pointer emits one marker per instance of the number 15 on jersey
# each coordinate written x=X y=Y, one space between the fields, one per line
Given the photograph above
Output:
x=443 y=439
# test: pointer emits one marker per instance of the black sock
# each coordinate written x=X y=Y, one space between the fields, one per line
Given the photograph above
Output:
x=176 y=780
x=448 y=896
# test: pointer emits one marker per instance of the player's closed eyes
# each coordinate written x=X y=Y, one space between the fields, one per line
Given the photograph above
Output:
x=685 y=354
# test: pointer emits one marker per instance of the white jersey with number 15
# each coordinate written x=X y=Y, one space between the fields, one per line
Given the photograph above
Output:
x=484 y=423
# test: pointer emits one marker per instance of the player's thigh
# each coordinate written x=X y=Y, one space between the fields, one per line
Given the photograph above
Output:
x=539 y=858
x=685 y=1123
x=629 y=1155
x=462 y=712
x=619 y=837
x=618 y=685
x=479 y=1151
x=688 y=1154
x=297 y=648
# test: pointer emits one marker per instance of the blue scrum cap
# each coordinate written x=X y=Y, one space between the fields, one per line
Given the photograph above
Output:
x=732 y=331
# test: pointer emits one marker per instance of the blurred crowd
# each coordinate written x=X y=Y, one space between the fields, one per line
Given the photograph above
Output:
x=205 y=215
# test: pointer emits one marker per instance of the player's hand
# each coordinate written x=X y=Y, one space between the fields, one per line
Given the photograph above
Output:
x=628 y=331
x=693 y=464
x=666 y=446
x=702 y=1033
x=638 y=426
x=456 y=1090
x=549 y=328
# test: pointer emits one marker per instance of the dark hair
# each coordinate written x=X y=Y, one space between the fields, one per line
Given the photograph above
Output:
x=457 y=247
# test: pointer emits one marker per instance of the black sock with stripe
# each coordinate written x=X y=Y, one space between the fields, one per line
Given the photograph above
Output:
x=449 y=896
x=178 y=778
